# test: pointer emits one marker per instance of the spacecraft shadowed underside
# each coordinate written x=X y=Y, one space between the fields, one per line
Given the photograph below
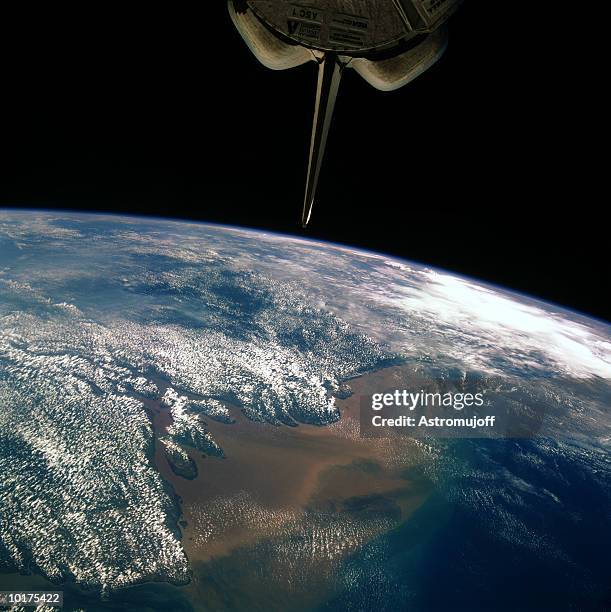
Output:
x=388 y=42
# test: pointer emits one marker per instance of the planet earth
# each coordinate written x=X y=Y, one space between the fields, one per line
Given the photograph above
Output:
x=181 y=427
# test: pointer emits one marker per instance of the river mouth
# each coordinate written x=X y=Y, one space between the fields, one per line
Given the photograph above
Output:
x=291 y=502
x=271 y=525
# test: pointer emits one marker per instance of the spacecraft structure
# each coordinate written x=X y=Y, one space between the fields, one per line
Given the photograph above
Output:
x=387 y=42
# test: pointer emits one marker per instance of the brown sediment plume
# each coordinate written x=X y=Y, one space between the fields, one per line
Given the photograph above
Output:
x=290 y=502
x=272 y=477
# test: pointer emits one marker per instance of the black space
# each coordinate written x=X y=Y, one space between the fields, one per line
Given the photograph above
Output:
x=480 y=166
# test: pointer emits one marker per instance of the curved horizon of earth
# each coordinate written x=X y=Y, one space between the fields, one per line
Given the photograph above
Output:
x=102 y=316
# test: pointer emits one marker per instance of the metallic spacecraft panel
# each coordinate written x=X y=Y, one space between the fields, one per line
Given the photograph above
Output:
x=435 y=11
x=343 y=26
x=387 y=42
